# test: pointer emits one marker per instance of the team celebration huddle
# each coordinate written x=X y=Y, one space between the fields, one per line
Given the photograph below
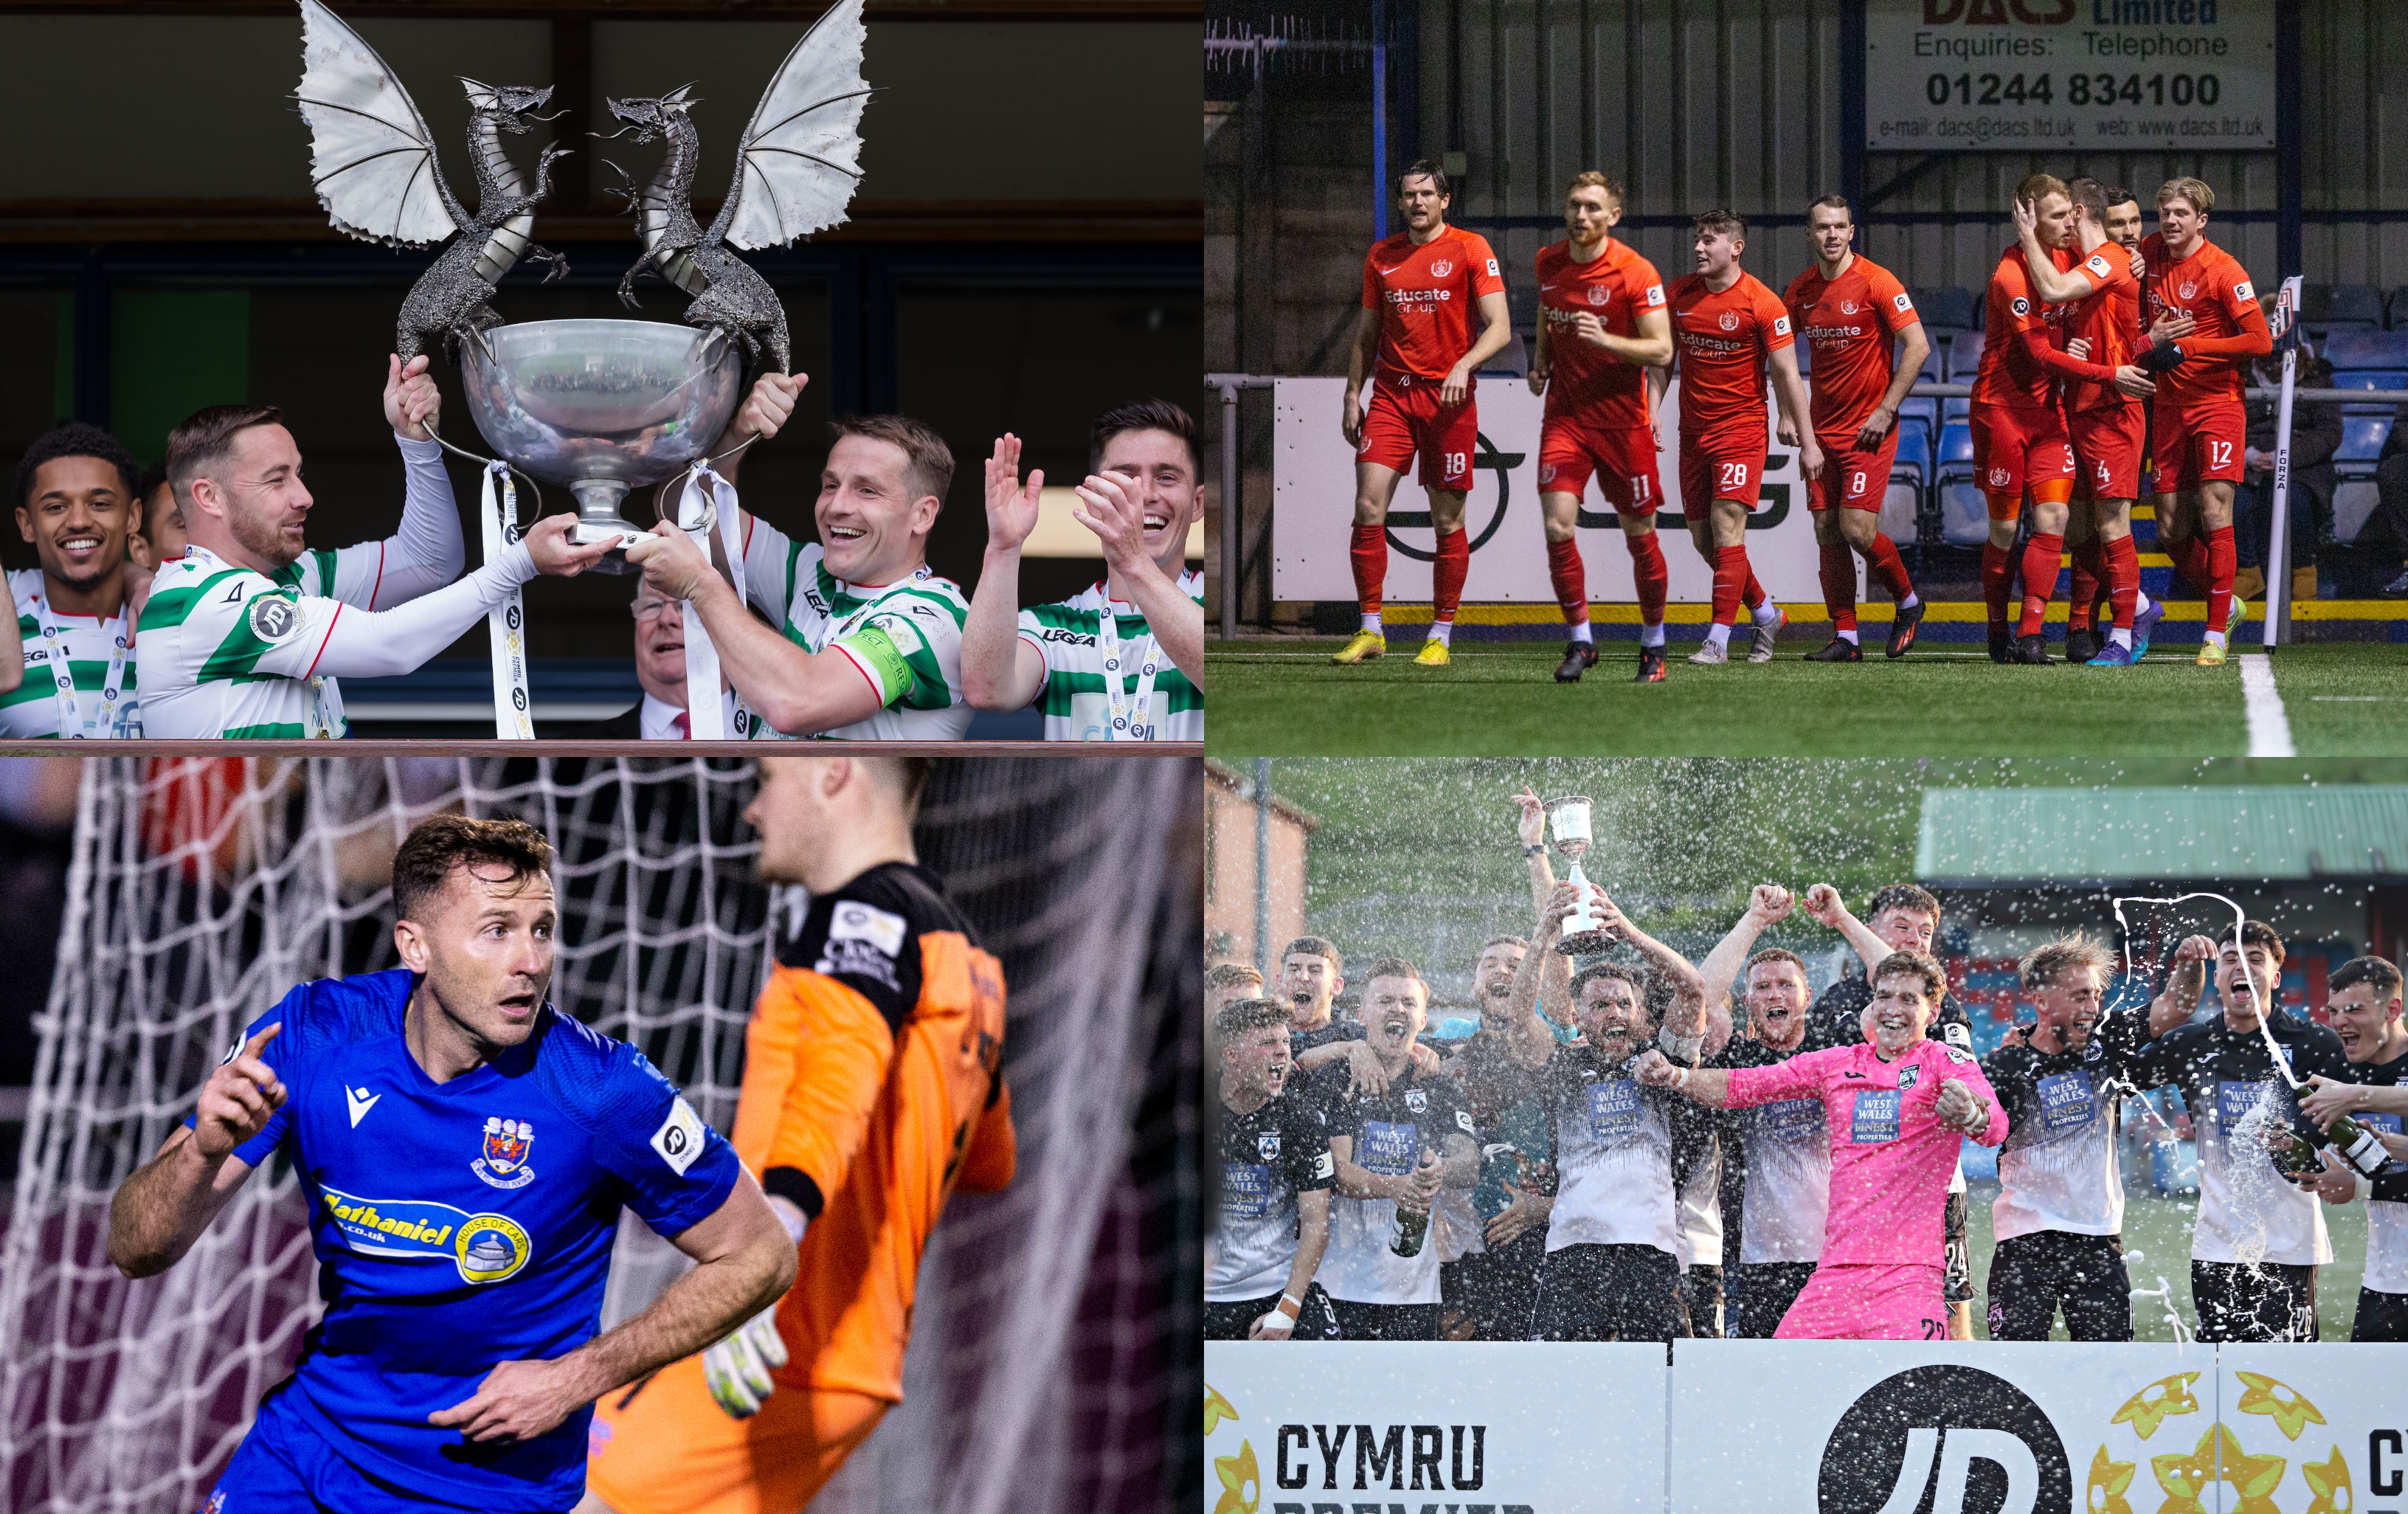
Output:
x=1617 y=1143
x=184 y=601
x=2106 y=356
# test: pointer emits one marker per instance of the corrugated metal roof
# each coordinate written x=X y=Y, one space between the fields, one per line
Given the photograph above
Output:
x=2081 y=835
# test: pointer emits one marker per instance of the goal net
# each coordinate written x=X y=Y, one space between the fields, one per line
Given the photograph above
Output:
x=203 y=888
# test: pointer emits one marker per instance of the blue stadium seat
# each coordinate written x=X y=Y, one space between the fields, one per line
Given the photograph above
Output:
x=1949 y=305
x=1913 y=448
x=2361 y=440
x=2383 y=380
x=1920 y=407
x=2368 y=350
x=1954 y=410
x=1910 y=480
x=1964 y=355
x=2396 y=308
x=1964 y=514
x=1956 y=445
x=1932 y=357
x=2355 y=495
x=1805 y=351
x=2357 y=307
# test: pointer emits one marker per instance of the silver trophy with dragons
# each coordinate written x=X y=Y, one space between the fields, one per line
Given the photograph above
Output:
x=599 y=406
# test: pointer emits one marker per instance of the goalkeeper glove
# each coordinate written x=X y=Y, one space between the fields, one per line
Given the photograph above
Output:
x=738 y=1368
x=2160 y=360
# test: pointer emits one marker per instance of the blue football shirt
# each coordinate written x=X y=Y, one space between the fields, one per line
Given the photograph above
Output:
x=464 y=1224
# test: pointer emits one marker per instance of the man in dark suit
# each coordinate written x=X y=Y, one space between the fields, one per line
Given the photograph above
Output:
x=660 y=668
x=2315 y=435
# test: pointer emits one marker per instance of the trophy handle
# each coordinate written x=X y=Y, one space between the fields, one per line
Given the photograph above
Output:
x=535 y=491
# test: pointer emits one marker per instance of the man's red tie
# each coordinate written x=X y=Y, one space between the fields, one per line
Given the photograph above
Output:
x=684 y=727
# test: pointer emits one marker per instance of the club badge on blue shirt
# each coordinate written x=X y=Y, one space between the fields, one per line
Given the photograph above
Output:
x=1416 y=1101
x=504 y=1161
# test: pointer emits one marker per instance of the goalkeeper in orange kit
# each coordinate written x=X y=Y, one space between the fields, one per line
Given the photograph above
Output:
x=872 y=1091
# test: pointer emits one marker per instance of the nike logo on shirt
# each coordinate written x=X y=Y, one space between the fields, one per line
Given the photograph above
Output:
x=361 y=1101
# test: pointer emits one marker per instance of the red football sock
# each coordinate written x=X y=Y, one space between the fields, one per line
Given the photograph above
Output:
x=2123 y=579
x=2191 y=561
x=2089 y=568
x=1997 y=572
x=1647 y=564
x=1839 y=571
x=1751 y=594
x=1446 y=574
x=1887 y=566
x=1570 y=579
x=1730 y=575
x=2220 y=556
x=1371 y=554
x=2041 y=554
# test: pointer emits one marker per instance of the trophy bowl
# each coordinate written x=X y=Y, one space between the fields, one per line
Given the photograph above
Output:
x=601 y=407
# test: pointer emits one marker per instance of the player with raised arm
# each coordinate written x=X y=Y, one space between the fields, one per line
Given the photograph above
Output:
x=2259 y=1240
x=863 y=639
x=1776 y=1157
x=1897 y=1106
x=1732 y=332
x=246 y=633
x=1394 y=1148
x=873 y=1091
x=2363 y=1001
x=1603 y=324
x=70 y=622
x=2020 y=443
x=1851 y=311
x=1413 y=339
x=1613 y=1235
x=465 y=1149
x=2059 y=1214
x=2107 y=417
x=2199 y=422
x=1138 y=675
x=1276 y=1174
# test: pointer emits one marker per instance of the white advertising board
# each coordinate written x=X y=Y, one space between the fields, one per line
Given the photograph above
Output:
x=1507 y=1427
x=1313 y=510
x=2044 y=76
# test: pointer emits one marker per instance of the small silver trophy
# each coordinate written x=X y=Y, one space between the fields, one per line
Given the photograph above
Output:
x=1583 y=935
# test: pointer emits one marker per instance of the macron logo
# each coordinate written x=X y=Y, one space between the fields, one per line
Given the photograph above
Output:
x=361 y=1101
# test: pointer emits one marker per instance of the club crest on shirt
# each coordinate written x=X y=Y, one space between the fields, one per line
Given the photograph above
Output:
x=1906 y=1076
x=1598 y=293
x=1847 y=307
x=1416 y=1101
x=2189 y=290
x=504 y=1161
x=1730 y=321
x=1267 y=1143
x=1440 y=268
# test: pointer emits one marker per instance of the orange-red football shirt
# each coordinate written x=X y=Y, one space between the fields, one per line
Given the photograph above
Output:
x=1584 y=381
x=2213 y=289
x=1428 y=296
x=2010 y=377
x=1851 y=324
x=2109 y=318
x=1725 y=342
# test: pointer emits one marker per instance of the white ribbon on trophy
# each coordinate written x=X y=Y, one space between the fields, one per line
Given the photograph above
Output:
x=708 y=504
x=505 y=622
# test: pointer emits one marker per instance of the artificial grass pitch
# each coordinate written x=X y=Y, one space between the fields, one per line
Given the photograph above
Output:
x=1500 y=698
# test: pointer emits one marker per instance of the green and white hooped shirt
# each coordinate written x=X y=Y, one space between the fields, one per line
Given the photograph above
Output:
x=905 y=637
x=89 y=648
x=231 y=651
x=1069 y=637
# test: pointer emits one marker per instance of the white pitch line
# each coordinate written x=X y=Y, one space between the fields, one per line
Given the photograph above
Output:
x=2270 y=730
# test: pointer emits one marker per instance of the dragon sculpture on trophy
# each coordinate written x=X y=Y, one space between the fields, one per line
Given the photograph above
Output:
x=795 y=170
x=373 y=164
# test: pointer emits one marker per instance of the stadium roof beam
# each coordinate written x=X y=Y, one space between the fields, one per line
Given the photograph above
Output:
x=1999 y=837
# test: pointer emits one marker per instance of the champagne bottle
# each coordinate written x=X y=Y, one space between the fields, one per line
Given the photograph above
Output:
x=1407 y=1232
x=2357 y=1145
x=2295 y=1156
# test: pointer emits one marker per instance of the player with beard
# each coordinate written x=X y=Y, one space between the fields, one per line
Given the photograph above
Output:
x=246 y=634
x=2259 y=1240
x=2199 y=424
x=1394 y=1148
x=2089 y=589
x=1776 y=1157
x=2363 y=1000
x=1896 y=1105
x=1488 y=1288
x=2106 y=402
x=2059 y=1214
x=1904 y=917
x=1613 y=1236
x=1276 y=1174
x=76 y=504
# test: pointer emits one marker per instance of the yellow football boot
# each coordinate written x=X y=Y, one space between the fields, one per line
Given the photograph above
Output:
x=1433 y=654
x=1365 y=645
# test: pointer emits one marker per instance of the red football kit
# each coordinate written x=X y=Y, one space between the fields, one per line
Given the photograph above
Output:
x=2200 y=423
x=1724 y=339
x=1427 y=295
x=2019 y=437
x=2110 y=428
x=1598 y=420
x=1851 y=324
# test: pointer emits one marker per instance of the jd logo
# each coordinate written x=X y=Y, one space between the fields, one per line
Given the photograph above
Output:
x=1944 y=1440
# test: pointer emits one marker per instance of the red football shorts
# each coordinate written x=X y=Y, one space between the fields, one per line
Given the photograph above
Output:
x=2108 y=442
x=2198 y=444
x=1869 y=1301
x=1720 y=468
x=2015 y=449
x=1405 y=419
x=1621 y=458
x=1852 y=477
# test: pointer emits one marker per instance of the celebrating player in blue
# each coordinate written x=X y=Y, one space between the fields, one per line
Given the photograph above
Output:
x=466 y=1148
